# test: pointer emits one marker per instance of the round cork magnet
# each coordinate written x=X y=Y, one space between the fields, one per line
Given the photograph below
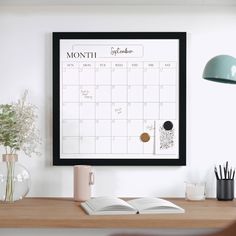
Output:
x=145 y=137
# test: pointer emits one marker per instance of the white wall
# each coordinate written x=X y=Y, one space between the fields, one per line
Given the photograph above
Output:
x=26 y=62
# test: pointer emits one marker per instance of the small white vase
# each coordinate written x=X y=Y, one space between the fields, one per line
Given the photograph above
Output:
x=14 y=179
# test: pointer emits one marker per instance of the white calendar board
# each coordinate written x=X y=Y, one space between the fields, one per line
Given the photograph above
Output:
x=119 y=98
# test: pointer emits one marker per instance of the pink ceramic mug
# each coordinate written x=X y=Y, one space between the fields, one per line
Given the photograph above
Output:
x=83 y=179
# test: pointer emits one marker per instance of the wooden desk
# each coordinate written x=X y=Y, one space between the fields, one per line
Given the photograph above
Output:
x=65 y=213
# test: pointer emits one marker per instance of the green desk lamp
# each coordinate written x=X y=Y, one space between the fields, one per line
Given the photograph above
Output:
x=221 y=69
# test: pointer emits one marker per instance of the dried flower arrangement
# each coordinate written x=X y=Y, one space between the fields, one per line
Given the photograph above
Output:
x=18 y=131
x=17 y=127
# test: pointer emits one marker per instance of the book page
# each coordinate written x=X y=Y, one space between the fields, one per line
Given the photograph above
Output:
x=108 y=204
x=149 y=203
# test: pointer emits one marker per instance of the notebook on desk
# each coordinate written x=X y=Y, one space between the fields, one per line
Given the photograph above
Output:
x=117 y=206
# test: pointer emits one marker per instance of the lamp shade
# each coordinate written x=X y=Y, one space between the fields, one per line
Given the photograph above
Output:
x=221 y=69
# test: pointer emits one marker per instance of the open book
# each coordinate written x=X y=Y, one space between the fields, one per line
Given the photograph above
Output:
x=117 y=206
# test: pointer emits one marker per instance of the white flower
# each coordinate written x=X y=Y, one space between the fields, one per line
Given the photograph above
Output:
x=17 y=127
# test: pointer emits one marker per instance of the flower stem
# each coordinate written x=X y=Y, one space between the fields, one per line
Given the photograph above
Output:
x=10 y=181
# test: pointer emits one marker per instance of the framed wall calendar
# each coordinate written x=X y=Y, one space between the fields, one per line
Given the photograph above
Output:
x=119 y=98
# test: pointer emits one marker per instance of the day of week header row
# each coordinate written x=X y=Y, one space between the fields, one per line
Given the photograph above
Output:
x=107 y=65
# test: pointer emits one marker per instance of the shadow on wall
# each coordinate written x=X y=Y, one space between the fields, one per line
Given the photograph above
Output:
x=48 y=100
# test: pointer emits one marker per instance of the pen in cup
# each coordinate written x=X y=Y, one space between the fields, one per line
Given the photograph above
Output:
x=228 y=172
x=216 y=173
x=220 y=171
x=225 y=182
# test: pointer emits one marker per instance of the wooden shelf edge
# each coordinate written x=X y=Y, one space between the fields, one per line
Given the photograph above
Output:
x=65 y=213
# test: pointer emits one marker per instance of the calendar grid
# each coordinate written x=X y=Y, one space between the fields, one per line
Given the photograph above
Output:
x=112 y=138
x=143 y=101
x=62 y=131
x=127 y=98
x=95 y=120
x=119 y=102
x=115 y=98
x=159 y=83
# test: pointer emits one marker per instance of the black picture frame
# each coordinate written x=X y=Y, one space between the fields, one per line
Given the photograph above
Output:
x=57 y=36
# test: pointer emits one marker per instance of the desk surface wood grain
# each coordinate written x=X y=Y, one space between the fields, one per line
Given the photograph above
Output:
x=65 y=213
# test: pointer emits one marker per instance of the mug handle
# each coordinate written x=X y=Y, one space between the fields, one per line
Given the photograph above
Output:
x=91 y=178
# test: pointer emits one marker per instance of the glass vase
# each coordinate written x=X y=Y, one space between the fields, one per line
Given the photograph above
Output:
x=14 y=179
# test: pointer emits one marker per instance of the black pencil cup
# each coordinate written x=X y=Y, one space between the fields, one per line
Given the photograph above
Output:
x=225 y=189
